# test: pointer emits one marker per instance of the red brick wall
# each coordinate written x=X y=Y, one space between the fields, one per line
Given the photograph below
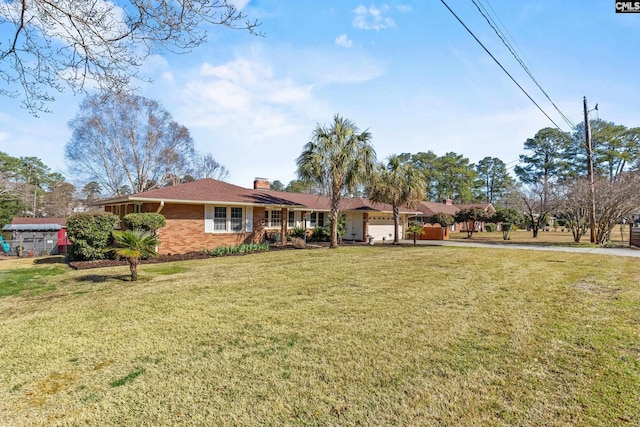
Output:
x=184 y=231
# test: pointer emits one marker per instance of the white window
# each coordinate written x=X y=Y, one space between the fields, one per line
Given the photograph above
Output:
x=219 y=218
x=224 y=219
x=236 y=219
x=275 y=218
x=291 y=223
x=317 y=219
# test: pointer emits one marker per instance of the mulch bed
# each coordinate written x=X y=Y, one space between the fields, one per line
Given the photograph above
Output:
x=84 y=265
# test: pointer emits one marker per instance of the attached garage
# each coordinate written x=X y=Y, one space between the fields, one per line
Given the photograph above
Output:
x=381 y=226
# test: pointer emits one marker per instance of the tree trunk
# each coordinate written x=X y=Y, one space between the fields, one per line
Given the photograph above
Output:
x=335 y=211
x=133 y=267
x=396 y=224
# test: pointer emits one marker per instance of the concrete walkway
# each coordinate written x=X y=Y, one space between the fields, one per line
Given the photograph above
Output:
x=471 y=244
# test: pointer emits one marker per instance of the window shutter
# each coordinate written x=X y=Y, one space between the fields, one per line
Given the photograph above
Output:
x=208 y=219
x=249 y=219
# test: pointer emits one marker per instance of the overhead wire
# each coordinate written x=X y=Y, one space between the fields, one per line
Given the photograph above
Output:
x=499 y=64
x=485 y=14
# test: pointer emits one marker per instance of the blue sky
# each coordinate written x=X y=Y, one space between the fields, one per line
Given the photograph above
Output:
x=406 y=70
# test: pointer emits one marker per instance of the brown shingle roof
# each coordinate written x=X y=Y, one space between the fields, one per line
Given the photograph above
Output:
x=432 y=208
x=317 y=202
x=38 y=221
x=204 y=190
x=214 y=191
x=484 y=206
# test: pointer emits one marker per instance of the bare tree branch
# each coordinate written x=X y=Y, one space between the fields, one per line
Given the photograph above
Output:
x=51 y=44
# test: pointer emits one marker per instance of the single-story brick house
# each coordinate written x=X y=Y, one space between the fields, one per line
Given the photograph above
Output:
x=207 y=213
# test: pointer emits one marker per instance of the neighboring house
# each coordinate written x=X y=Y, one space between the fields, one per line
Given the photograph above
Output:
x=429 y=209
x=37 y=236
x=208 y=213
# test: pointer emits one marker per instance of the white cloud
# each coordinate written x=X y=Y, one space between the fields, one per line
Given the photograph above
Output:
x=240 y=4
x=256 y=111
x=371 y=18
x=343 y=40
x=246 y=95
x=168 y=77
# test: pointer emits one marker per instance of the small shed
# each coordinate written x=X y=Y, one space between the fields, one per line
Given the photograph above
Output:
x=37 y=236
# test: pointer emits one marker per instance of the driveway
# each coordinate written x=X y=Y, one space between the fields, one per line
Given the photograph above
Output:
x=597 y=251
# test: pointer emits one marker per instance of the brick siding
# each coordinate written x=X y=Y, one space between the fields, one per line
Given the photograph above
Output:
x=184 y=231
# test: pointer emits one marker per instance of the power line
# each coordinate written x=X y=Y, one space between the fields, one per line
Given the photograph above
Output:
x=508 y=45
x=499 y=64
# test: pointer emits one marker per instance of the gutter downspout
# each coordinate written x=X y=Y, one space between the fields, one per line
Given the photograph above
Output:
x=158 y=211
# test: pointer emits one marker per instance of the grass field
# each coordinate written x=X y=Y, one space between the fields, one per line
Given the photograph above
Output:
x=545 y=238
x=433 y=336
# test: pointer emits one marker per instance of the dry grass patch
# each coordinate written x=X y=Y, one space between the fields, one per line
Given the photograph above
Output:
x=545 y=238
x=354 y=336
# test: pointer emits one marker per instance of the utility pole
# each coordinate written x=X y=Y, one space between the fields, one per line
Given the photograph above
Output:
x=592 y=191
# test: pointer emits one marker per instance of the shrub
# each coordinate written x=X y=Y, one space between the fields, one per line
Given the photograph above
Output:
x=441 y=218
x=342 y=226
x=90 y=234
x=298 y=232
x=149 y=221
x=490 y=227
x=243 y=248
x=320 y=234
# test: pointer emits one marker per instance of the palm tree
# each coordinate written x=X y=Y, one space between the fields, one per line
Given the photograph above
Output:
x=415 y=230
x=397 y=183
x=338 y=158
x=133 y=245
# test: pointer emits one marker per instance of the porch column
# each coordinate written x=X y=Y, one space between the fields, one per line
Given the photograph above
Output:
x=365 y=227
x=284 y=220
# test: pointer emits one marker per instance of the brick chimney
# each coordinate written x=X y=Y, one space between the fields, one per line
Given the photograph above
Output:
x=261 y=184
x=448 y=202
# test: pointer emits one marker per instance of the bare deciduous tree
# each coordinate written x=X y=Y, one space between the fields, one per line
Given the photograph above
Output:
x=573 y=206
x=59 y=201
x=49 y=44
x=614 y=202
x=539 y=201
x=206 y=166
x=122 y=141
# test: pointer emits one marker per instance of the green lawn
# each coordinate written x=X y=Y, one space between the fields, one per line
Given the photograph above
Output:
x=361 y=335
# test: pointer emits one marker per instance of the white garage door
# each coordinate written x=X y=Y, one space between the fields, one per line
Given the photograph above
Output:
x=381 y=225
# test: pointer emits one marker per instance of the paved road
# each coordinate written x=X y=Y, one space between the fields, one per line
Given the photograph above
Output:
x=598 y=251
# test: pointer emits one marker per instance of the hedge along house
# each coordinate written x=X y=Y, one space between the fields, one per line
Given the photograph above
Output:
x=37 y=236
x=208 y=213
